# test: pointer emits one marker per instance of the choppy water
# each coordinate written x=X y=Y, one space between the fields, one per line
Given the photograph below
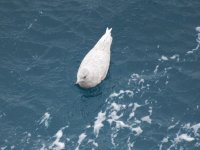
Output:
x=150 y=99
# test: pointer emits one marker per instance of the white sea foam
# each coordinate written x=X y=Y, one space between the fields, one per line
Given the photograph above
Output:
x=190 y=52
x=196 y=48
x=187 y=126
x=82 y=136
x=88 y=126
x=45 y=119
x=130 y=105
x=164 y=58
x=2 y=115
x=141 y=81
x=30 y=25
x=156 y=69
x=113 y=117
x=176 y=56
x=43 y=147
x=121 y=94
x=116 y=106
x=115 y=113
x=198 y=41
x=137 y=121
x=138 y=130
x=196 y=127
x=3 y=148
x=136 y=105
x=136 y=78
x=113 y=136
x=116 y=121
x=57 y=144
x=197 y=29
x=93 y=142
x=130 y=145
x=150 y=111
x=146 y=119
x=132 y=114
x=183 y=137
x=172 y=126
x=99 y=122
x=185 y=133
x=121 y=124
x=165 y=140
x=26 y=138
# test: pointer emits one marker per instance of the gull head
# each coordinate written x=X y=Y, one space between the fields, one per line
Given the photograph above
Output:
x=84 y=78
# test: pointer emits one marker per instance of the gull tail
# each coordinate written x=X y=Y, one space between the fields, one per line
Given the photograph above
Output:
x=105 y=41
x=108 y=30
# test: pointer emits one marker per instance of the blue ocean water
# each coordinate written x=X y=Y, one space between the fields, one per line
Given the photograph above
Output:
x=149 y=100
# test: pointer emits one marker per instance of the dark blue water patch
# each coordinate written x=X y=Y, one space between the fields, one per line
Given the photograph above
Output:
x=41 y=47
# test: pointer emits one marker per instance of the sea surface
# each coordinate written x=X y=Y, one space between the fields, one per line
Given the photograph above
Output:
x=150 y=99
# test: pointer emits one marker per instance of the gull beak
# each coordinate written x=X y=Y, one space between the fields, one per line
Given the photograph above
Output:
x=78 y=81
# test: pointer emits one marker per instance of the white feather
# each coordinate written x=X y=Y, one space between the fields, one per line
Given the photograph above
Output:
x=94 y=67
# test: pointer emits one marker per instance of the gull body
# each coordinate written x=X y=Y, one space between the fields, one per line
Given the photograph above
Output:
x=94 y=67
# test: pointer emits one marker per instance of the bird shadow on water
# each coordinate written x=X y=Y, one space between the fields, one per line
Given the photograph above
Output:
x=91 y=92
x=89 y=102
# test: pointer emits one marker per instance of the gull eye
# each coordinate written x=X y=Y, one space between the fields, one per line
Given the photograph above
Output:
x=84 y=77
